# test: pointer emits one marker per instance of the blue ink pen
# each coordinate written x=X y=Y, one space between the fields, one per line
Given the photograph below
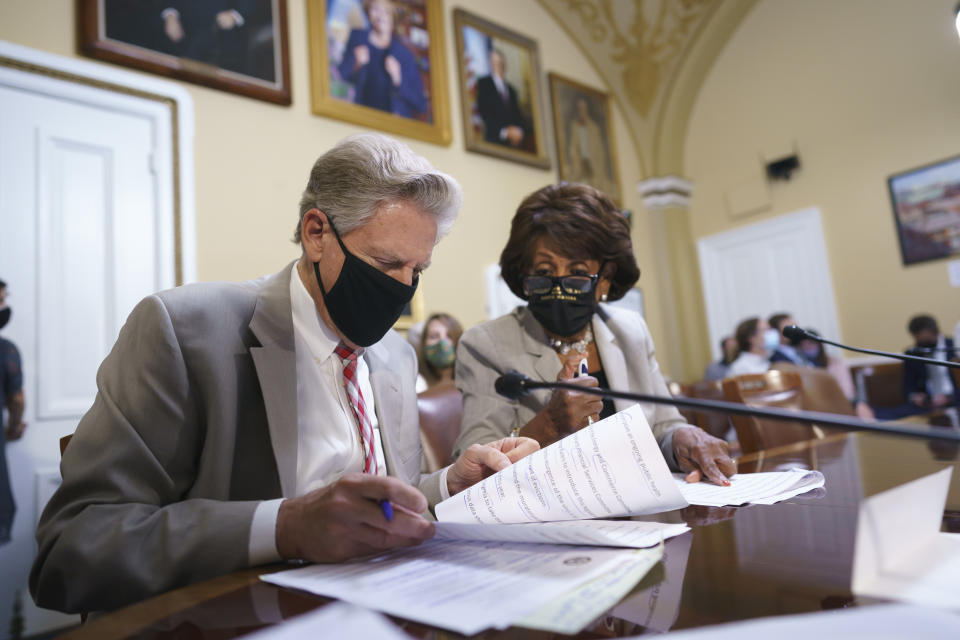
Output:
x=387 y=509
x=583 y=370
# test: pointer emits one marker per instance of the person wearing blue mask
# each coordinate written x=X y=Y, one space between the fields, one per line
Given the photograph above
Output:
x=238 y=424
x=756 y=341
x=787 y=350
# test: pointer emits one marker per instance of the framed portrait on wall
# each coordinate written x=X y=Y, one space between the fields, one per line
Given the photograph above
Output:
x=380 y=64
x=413 y=312
x=583 y=129
x=499 y=73
x=926 y=210
x=238 y=46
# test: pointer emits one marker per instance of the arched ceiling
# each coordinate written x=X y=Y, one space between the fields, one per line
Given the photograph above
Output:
x=653 y=55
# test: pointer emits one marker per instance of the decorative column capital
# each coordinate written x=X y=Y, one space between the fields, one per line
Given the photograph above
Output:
x=665 y=192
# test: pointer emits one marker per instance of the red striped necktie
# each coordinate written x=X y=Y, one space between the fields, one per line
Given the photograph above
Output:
x=352 y=386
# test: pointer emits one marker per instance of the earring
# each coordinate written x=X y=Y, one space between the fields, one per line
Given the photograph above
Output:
x=603 y=297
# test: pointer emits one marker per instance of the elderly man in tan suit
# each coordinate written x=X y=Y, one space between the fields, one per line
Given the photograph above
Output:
x=239 y=424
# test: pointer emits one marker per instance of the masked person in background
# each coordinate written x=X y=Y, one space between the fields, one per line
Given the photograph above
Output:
x=237 y=424
x=756 y=341
x=568 y=253
x=437 y=351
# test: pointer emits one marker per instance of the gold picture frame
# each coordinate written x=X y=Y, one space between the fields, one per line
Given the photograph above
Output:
x=400 y=88
x=588 y=155
x=414 y=312
x=243 y=53
x=500 y=97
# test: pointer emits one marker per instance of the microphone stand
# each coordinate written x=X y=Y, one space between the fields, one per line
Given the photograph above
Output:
x=831 y=419
x=792 y=331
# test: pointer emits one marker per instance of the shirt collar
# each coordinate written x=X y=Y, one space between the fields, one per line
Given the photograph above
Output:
x=307 y=322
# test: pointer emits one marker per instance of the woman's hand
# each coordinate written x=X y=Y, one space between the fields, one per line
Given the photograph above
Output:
x=567 y=411
x=702 y=455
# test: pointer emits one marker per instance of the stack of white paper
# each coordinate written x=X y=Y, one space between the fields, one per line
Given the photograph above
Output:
x=464 y=586
x=753 y=488
x=900 y=552
x=602 y=533
x=882 y=622
x=336 y=620
x=611 y=468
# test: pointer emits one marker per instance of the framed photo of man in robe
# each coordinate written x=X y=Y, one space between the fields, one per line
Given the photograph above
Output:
x=380 y=64
x=238 y=46
x=583 y=129
x=499 y=73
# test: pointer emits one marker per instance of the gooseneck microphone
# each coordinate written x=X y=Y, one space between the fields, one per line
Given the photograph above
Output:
x=796 y=334
x=515 y=385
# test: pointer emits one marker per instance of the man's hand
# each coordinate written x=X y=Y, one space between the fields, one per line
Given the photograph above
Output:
x=344 y=520
x=392 y=65
x=172 y=26
x=482 y=460
x=702 y=455
x=15 y=431
x=227 y=20
x=514 y=135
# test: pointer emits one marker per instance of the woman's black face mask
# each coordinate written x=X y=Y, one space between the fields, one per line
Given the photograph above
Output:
x=364 y=302
x=563 y=305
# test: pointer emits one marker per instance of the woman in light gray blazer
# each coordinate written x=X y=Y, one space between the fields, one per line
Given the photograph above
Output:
x=569 y=251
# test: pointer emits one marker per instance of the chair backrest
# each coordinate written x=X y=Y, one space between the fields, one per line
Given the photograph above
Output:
x=716 y=424
x=881 y=384
x=775 y=388
x=64 y=441
x=440 y=409
x=678 y=390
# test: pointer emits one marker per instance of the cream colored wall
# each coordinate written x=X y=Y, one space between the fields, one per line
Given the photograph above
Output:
x=865 y=88
x=253 y=159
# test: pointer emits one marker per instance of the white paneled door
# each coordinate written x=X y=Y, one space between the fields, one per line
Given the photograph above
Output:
x=766 y=267
x=87 y=211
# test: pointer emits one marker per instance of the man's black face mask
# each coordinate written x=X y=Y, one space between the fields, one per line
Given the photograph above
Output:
x=364 y=302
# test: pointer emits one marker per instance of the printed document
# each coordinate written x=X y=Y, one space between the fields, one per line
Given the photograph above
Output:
x=335 y=620
x=602 y=533
x=876 y=622
x=582 y=605
x=900 y=552
x=462 y=586
x=611 y=468
x=753 y=488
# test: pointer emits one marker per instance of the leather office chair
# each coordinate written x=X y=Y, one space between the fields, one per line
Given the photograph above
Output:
x=716 y=424
x=781 y=389
x=881 y=384
x=64 y=441
x=440 y=409
x=678 y=390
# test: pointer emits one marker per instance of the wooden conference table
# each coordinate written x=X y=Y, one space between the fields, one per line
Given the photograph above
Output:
x=736 y=563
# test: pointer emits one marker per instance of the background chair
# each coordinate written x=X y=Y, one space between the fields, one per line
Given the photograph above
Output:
x=785 y=390
x=880 y=384
x=440 y=409
x=715 y=423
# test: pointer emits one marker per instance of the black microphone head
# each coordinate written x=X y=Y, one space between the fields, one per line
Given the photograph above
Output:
x=512 y=385
x=794 y=334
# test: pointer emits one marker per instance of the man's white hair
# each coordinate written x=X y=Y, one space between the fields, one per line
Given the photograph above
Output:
x=352 y=180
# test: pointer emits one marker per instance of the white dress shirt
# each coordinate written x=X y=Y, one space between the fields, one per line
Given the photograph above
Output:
x=748 y=362
x=328 y=437
x=938 y=378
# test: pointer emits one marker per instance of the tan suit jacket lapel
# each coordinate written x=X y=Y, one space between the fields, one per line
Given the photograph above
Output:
x=546 y=363
x=276 y=363
x=611 y=355
x=388 y=403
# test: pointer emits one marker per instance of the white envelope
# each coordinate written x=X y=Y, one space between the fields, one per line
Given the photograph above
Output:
x=900 y=552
